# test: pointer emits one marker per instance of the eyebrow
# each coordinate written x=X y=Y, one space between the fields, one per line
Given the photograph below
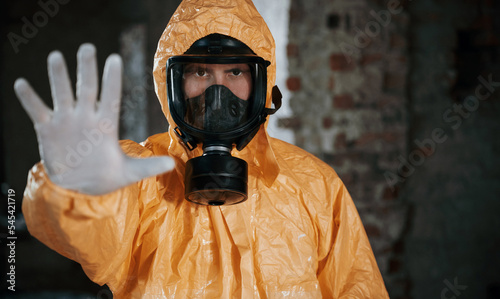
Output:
x=237 y=69
x=195 y=66
x=192 y=66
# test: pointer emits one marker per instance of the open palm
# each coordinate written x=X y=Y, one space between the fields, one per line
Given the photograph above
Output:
x=78 y=140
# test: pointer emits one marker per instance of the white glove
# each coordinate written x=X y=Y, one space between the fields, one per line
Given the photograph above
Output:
x=78 y=141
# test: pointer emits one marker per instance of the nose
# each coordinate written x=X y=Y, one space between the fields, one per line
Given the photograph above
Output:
x=220 y=78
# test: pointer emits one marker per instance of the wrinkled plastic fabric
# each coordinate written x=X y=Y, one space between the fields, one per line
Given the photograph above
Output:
x=297 y=236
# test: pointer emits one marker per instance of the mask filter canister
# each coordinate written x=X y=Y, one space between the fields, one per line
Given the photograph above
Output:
x=216 y=178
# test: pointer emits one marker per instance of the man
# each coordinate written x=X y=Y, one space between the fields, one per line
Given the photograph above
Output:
x=274 y=222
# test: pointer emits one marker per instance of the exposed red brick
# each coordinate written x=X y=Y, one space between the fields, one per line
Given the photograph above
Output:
x=293 y=83
x=347 y=178
x=343 y=101
x=327 y=122
x=390 y=136
x=296 y=14
x=340 y=141
x=290 y=123
x=367 y=59
x=390 y=193
x=404 y=4
x=367 y=138
x=371 y=136
x=331 y=83
x=292 y=50
x=394 y=81
x=338 y=62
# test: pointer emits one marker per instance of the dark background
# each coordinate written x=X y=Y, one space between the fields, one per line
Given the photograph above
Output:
x=39 y=269
x=448 y=207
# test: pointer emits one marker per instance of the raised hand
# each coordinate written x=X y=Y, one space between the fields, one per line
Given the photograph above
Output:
x=78 y=140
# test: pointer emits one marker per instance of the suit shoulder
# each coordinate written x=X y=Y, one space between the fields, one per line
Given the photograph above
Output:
x=158 y=144
x=299 y=161
x=152 y=146
x=134 y=149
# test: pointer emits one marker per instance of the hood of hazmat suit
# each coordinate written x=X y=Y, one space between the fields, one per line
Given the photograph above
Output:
x=298 y=235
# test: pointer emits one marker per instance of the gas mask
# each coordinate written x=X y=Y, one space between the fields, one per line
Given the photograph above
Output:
x=217 y=98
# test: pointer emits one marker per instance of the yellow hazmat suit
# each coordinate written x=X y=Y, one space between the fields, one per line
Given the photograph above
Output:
x=297 y=236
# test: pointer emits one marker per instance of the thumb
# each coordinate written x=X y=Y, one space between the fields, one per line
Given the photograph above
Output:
x=140 y=168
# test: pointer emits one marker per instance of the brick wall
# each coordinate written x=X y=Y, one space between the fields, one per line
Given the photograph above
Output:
x=348 y=64
x=402 y=99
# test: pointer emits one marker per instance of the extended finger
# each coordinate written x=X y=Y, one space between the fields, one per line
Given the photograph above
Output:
x=86 y=83
x=31 y=102
x=111 y=87
x=140 y=168
x=60 y=84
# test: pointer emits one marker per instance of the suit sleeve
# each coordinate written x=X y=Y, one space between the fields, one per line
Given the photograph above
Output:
x=348 y=268
x=95 y=231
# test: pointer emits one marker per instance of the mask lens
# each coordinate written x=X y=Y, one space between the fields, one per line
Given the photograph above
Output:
x=197 y=77
x=217 y=109
x=216 y=96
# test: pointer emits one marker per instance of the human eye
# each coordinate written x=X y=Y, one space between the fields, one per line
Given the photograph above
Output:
x=196 y=70
x=240 y=69
x=201 y=72
x=236 y=72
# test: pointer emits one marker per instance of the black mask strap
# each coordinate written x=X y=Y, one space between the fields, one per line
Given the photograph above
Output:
x=276 y=97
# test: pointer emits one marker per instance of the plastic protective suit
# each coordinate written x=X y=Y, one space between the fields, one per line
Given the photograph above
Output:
x=297 y=236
